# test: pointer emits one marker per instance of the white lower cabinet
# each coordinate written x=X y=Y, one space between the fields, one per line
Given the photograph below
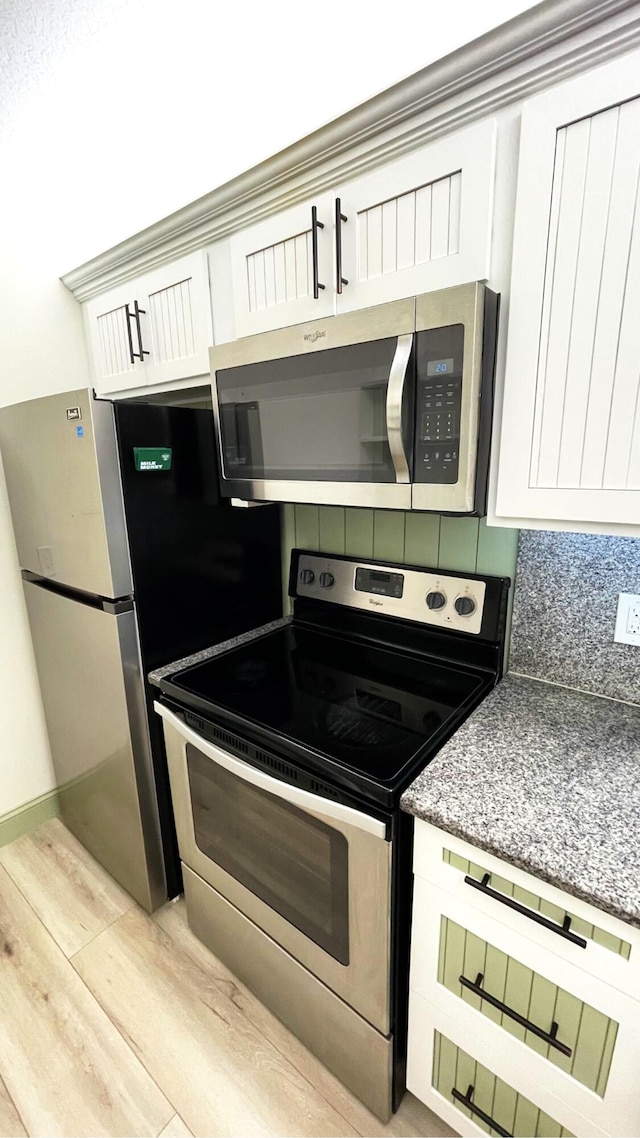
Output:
x=153 y=329
x=521 y=1017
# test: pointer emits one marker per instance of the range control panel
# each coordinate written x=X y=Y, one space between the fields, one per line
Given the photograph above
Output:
x=439 y=599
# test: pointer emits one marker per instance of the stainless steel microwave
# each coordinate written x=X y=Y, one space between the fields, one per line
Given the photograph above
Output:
x=387 y=407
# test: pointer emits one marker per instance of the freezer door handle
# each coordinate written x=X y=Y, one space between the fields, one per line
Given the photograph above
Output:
x=115 y=608
x=293 y=794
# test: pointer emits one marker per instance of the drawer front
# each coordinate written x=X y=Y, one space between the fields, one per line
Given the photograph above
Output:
x=556 y=1024
x=584 y=936
x=444 y=1055
x=529 y=1009
x=490 y=1102
x=501 y=890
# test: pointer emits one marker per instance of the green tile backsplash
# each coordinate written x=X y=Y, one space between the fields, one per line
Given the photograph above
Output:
x=463 y=545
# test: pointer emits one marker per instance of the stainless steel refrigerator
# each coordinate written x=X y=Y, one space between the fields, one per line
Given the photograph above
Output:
x=130 y=559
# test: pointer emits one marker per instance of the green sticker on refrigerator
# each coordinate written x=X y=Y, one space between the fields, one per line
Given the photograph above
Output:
x=153 y=458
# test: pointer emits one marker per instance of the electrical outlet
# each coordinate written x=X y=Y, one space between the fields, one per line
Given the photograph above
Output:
x=628 y=619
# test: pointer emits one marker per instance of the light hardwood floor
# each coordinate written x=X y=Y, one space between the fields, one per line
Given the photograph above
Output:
x=116 y=1023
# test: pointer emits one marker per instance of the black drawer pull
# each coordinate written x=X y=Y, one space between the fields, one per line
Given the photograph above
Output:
x=549 y=1037
x=466 y=1101
x=562 y=930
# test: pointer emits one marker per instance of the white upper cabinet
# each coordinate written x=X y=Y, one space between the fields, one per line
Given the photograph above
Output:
x=419 y=223
x=570 y=438
x=283 y=268
x=153 y=329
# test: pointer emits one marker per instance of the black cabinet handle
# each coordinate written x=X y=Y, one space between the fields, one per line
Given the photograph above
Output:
x=135 y=315
x=131 y=351
x=466 y=1101
x=549 y=1037
x=315 y=226
x=563 y=930
x=340 y=217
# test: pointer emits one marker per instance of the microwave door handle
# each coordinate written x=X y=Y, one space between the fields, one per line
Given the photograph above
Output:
x=395 y=398
x=302 y=798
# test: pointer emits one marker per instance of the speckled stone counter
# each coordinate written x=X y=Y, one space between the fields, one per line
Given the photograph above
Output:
x=215 y=650
x=548 y=779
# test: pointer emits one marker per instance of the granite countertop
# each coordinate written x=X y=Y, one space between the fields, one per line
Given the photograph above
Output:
x=548 y=779
x=159 y=674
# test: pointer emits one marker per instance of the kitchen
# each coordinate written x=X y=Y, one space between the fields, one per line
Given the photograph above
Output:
x=394 y=536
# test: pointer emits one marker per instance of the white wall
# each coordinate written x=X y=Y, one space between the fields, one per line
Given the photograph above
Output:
x=113 y=115
x=41 y=351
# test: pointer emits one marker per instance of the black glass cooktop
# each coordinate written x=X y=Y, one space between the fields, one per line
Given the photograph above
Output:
x=374 y=713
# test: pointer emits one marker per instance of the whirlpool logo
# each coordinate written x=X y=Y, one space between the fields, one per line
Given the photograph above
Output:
x=377 y=604
x=311 y=337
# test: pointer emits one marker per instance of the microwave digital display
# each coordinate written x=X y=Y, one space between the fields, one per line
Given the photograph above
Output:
x=439 y=367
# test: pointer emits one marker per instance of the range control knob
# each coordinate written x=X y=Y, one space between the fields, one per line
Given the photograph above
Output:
x=326 y=580
x=464 y=606
x=307 y=576
x=436 y=601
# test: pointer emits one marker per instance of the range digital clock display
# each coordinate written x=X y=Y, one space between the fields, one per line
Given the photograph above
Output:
x=377 y=581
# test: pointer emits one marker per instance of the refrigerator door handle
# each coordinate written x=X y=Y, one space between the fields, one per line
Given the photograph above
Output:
x=114 y=608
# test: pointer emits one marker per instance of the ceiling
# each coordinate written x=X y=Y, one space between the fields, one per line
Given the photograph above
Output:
x=113 y=115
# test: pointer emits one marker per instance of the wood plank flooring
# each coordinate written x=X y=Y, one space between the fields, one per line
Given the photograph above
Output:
x=10 y=1124
x=116 y=1023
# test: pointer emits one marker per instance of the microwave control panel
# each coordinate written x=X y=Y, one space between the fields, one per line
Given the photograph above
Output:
x=438 y=404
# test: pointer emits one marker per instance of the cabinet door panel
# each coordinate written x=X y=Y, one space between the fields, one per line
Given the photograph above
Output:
x=175 y=327
x=272 y=268
x=113 y=344
x=108 y=337
x=421 y=222
x=570 y=440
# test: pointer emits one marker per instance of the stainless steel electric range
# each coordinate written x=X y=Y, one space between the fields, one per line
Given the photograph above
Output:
x=287 y=758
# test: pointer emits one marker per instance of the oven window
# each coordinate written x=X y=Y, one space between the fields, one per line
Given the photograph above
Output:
x=318 y=417
x=296 y=864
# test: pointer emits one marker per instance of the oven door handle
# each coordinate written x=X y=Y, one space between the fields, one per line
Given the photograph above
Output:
x=303 y=798
x=395 y=400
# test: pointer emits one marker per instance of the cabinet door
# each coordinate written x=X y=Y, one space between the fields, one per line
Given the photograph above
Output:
x=174 y=333
x=420 y=223
x=570 y=440
x=176 y=327
x=272 y=267
x=112 y=340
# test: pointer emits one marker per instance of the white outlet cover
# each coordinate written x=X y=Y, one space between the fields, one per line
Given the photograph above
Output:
x=628 y=619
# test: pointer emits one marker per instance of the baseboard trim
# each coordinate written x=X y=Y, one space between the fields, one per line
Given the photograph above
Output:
x=27 y=817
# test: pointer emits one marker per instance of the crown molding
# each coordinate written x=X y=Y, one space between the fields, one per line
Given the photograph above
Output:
x=543 y=46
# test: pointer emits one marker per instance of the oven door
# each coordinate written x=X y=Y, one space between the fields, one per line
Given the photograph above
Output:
x=313 y=874
x=319 y=412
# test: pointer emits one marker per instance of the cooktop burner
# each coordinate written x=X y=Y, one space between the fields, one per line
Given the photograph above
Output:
x=368 y=709
x=378 y=667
